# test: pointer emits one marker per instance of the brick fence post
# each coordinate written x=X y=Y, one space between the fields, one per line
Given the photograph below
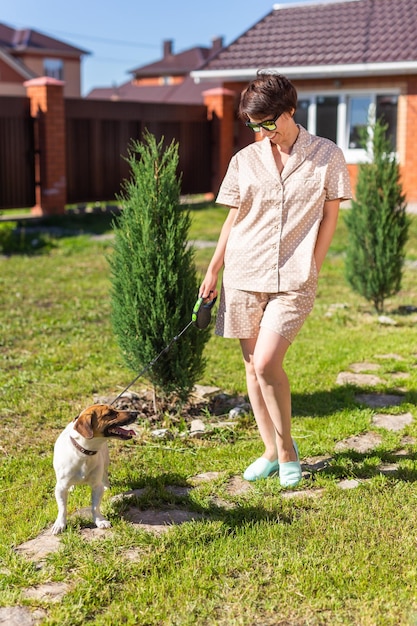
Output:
x=47 y=108
x=220 y=103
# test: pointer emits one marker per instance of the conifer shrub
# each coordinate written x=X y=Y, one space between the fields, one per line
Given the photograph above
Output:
x=154 y=283
x=377 y=222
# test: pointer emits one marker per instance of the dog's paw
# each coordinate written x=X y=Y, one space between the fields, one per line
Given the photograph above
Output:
x=57 y=528
x=102 y=523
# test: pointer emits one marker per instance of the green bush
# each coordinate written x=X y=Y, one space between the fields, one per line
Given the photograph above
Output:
x=14 y=240
x=154 y=279
x=377 y=223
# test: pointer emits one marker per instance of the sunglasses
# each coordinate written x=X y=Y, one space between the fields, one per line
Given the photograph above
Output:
x=268 y=125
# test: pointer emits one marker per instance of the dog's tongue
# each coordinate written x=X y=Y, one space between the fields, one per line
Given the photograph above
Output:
x=122 y=432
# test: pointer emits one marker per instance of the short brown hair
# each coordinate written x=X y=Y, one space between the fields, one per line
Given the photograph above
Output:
x=267 y=94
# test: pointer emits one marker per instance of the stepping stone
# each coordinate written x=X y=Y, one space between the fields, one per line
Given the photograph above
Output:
x=316 y=463
x=388 y=469
x=392 y=422
x=204 y=391
x=387 y=321
x=227 y=425
x=48 y=592
x=302 y=493
x=333 y=308
x=133 y=555
x=359 y=443
x=179 y=492
x=39 y=548
x=93 y=533
x=205 y=477
x=197 y=428
x=379 y=400
x=157 y=521
x=134 y=493
x=237 y=486
x=20 y=616
x=348 y=484
x=222 y=504
x=364 y=367
x=391 y=355
x=359 y=380
x=400 y=375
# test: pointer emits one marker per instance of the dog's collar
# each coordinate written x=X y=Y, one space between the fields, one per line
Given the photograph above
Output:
x=81 y=449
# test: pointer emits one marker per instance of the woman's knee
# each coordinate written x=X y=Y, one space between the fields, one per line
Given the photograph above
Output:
x=267 y=370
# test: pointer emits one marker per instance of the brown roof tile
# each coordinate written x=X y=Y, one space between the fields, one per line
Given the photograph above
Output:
x=174 y=64
x=187 y=92
x=14 y=41
x=347 y=32
x=180 y=63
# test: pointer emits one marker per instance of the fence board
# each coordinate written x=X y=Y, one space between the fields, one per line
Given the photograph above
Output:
x=99 y=133
x=17 y=172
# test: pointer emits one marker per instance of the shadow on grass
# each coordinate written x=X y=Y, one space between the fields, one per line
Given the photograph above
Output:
x=350 y=464
x=160 y=495
x=324 y=403
x=345 y=397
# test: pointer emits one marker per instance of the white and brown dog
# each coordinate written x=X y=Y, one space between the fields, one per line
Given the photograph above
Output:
x=81 y=456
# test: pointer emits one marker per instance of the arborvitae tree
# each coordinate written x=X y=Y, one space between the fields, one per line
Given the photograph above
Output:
x=377 y=222
x=153 y=274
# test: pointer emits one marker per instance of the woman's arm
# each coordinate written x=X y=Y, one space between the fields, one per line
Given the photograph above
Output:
x=326 y=231
x=209 y=284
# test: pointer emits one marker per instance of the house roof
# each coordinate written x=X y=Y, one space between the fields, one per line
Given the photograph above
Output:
x=178 y=64
x=324 y=38
x=181 y=64
x=16 y=41
x=188 y=92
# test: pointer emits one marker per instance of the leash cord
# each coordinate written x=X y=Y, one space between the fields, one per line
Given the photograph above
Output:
x=152 y=363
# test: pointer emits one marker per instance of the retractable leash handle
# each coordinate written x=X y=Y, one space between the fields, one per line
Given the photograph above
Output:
x=201 y=316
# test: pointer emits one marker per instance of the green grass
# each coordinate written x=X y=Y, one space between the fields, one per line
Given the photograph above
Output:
x=346 y=557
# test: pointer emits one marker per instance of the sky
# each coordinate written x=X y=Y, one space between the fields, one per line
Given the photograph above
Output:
x=125 y=34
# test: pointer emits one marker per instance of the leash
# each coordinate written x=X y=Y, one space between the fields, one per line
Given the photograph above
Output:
x=200 y=317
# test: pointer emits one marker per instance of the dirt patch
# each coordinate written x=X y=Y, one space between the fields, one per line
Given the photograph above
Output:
x=153 y=411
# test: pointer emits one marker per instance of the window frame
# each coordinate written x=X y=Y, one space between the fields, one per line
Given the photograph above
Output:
x=352 y=155
x=57 y=72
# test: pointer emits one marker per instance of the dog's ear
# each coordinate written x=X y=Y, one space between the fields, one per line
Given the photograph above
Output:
x=83 y=424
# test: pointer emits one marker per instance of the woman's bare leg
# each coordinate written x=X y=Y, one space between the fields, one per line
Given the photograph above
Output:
x=271 y=389
x=265 y=425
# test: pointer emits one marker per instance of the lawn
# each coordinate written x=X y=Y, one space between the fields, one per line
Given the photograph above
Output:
x=327 y=557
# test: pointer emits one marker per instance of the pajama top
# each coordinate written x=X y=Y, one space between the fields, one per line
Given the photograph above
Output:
x=271 y=244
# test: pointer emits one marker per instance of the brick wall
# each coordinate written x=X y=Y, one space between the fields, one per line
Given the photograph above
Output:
x=47 y=109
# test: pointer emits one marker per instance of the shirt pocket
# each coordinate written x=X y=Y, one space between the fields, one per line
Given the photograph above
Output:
x=306 y=191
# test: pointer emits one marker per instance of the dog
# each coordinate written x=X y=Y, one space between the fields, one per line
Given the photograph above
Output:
x=81 y=456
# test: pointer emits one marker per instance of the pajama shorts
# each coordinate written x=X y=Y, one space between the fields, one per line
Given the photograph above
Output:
x=242 y=313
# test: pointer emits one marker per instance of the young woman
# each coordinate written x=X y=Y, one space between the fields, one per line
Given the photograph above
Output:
x=283 y=193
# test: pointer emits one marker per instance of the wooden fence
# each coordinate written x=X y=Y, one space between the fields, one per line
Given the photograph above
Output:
x=97 y=136
x=17 y=170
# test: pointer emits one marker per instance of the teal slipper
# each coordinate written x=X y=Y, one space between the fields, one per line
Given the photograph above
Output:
x=290 y=473
x=261 y=468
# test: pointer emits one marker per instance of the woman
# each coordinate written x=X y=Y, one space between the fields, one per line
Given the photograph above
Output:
x=283 y=193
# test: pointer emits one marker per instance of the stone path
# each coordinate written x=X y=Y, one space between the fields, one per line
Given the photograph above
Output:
x=159 y=521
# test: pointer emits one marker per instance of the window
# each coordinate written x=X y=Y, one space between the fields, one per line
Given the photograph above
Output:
x=54 y=68
x=344 y=116
x=326 y=117
x=301 y=114
x=386 y=108
x=360 y=109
